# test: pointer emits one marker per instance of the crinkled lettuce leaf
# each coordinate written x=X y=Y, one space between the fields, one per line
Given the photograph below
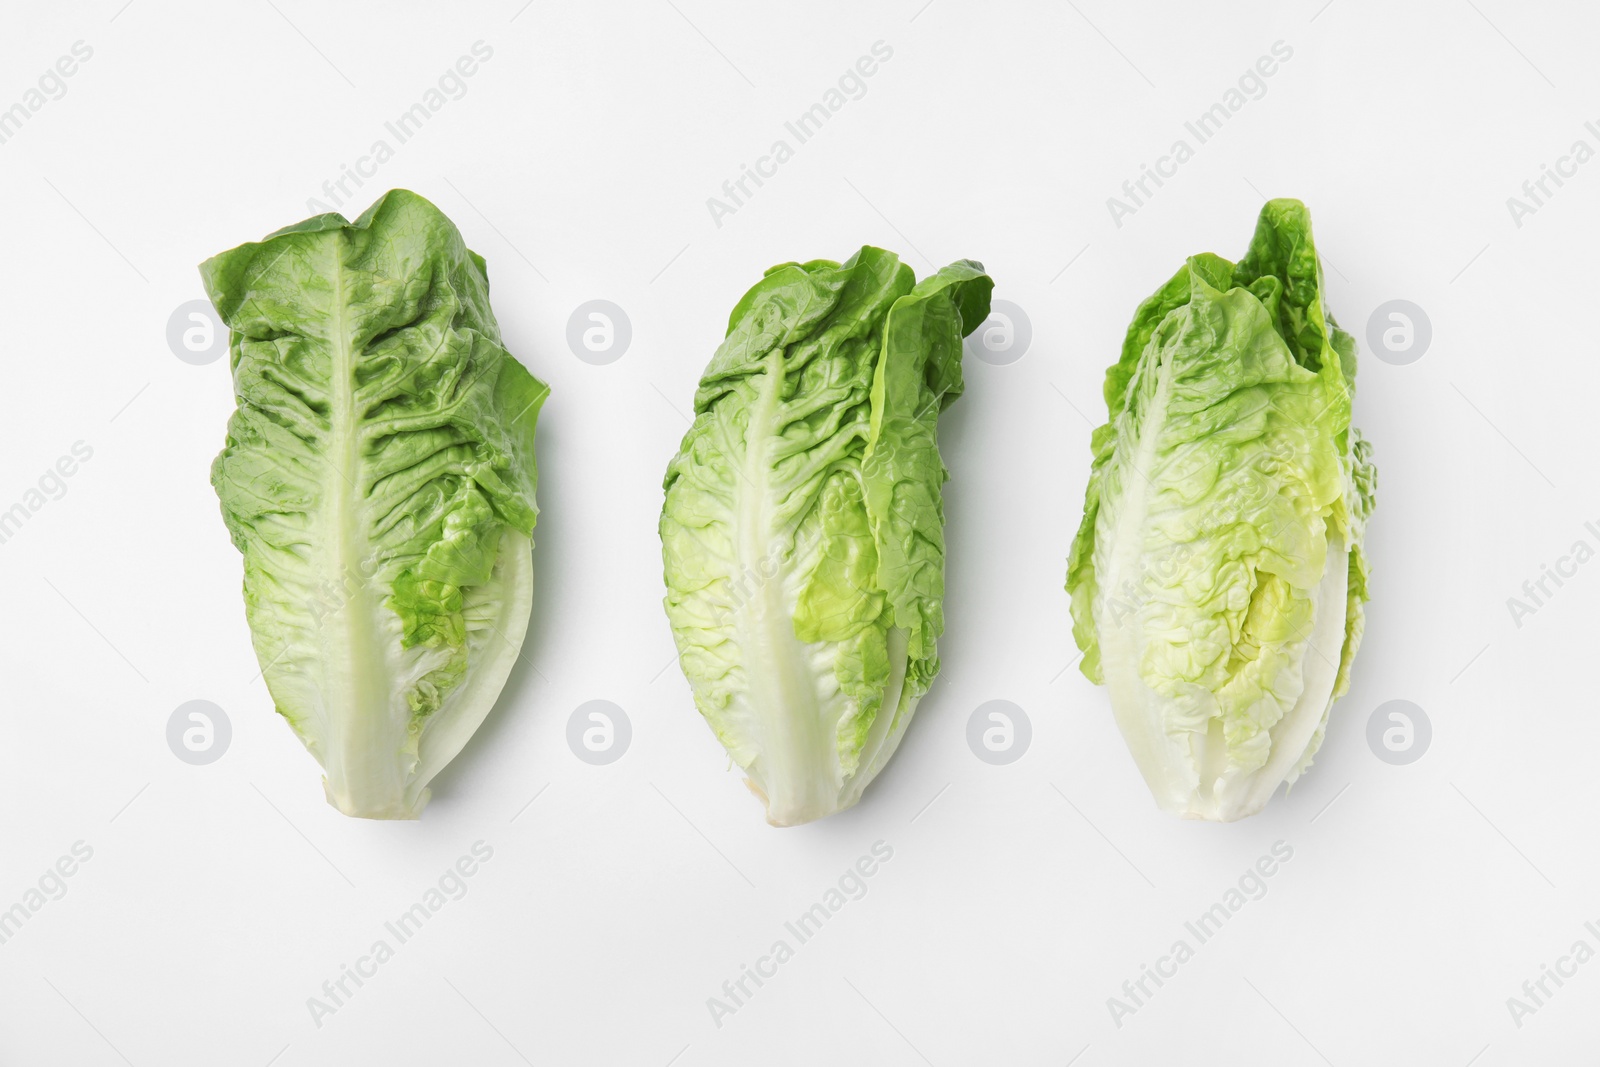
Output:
x=1218 y=576
x=803 y=526
x=378 y=478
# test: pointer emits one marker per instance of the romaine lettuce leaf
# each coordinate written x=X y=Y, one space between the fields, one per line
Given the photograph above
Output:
x=1218 y=576
x=803 y=526
x=379 y=479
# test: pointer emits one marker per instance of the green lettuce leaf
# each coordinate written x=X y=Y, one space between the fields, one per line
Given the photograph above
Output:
x=1218 y=577
x=803 y=527
x=378 y=478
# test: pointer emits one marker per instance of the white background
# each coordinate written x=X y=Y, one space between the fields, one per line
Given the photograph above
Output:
x=219 y=898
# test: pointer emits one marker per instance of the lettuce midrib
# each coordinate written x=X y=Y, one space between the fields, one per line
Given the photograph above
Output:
x=363 y=743
x=796 y=748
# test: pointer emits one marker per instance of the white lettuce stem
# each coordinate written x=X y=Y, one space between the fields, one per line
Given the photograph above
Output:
x=363 y=731
x=795 y=770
